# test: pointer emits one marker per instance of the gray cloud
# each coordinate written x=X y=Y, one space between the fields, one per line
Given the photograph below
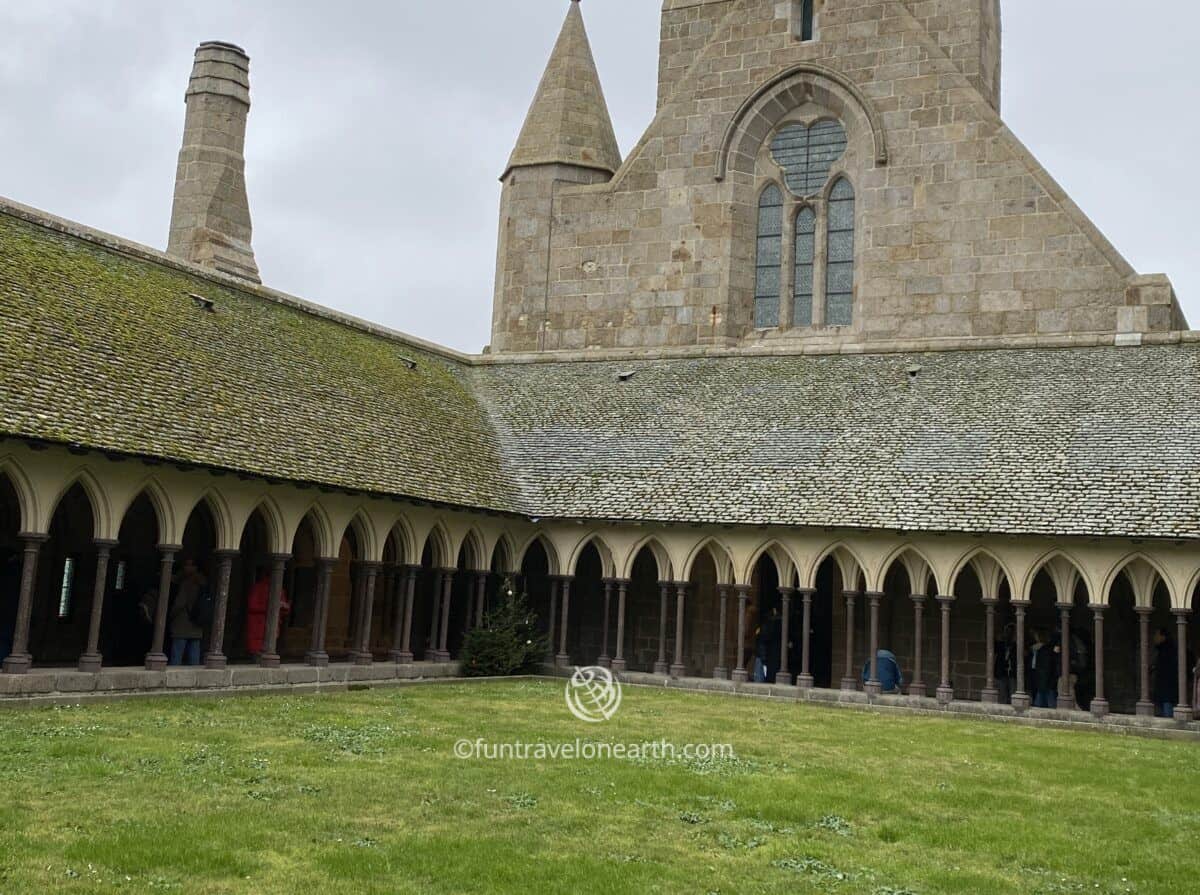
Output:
x=379 y=128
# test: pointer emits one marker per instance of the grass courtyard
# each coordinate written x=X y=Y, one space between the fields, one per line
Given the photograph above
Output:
x=360 y=792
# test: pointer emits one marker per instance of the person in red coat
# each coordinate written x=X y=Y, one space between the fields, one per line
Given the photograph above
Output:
x=257 y=602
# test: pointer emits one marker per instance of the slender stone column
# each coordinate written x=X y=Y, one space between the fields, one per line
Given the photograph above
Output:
x=91 y=660
x=1145 y=708
x=945 y=690
x=1099 y=703
x=739 y=672
x=552 y=627
x=481 y=581
x=677 y=667
x=618 y=662
x=874 y=686
x=1065 y=699
x=435 y=615
x=563 y=659
x=1020 y=699
x=661 y=667
x=783 y=677
x=991 y=693
x=215 y=658
x=917 y=687
x=402 y=641
x=364 y=655
x=443 y=651
x=721 y=673
x=605 y=659
x=1183 y=711
x=317 y=656
x=270 y=657
x=19 y=660
x=806 y=678
x=849 y=679
x=156 y=659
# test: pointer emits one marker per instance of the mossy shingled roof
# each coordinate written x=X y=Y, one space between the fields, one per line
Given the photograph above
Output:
x=1101 y=441
x=109 y=351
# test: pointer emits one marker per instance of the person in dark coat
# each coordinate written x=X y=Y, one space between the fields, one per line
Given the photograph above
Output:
x=10 y=587
x=1165 y=674
x=1044 y=670
x=770 y=644
x=1005 y=668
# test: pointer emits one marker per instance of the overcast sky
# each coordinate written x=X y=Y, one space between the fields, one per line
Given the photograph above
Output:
x=380 y=127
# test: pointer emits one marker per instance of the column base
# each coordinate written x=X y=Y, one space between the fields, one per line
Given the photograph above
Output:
x=990 y=695
x=362 y=658
x=783 y=679
x=849 y=684
x=1144 y=710
x=1064 y=703
x=806 y=682
x=18 y=663
x=1021 y=702
x=1184 y=714
x=720 y=674
x=216 y=661
x=269 y=660
x=317 y=659
x=562 y=661
x=917 y=688
x=661 y=668
x=1099 y=707
x=945 y=695
x=90 y=663
x=873 y=688
x=442 y=657
x=678 y=670
x=740 y=675
x=156 y=662
x=604 y=662
x=619 y=665
x=400 y=657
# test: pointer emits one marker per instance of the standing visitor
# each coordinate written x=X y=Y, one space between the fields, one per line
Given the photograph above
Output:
x=1166 y=674
x=187 y=626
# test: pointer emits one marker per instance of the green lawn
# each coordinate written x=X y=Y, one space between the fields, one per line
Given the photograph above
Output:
x=360 y=793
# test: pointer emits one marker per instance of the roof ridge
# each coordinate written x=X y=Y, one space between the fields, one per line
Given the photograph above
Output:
x=141 y=252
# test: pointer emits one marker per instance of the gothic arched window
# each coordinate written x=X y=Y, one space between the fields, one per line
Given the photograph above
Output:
x=839 y=258
x=806 y=252
x=769 y=259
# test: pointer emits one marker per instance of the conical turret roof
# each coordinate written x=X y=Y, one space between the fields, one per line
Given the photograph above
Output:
x=568 y=122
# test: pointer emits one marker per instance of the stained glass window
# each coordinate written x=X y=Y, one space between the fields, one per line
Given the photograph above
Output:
x=806 y=154
x=66 y=586
x=806 y=248
x=839 y=273
x=769 y=258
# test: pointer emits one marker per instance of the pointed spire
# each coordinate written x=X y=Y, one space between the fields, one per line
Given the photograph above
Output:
x=568 y=122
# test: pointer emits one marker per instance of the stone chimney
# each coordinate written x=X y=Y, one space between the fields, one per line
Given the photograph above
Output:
x=210 y=219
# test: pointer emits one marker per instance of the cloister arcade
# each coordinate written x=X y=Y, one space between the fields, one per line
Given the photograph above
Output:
x=90 y=546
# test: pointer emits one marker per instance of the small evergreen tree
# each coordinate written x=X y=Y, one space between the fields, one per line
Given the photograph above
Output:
x=508 y=643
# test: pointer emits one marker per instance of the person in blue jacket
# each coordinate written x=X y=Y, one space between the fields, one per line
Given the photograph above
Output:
x=891 y=679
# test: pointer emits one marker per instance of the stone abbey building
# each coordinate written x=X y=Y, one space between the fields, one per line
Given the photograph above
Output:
x=828 y=350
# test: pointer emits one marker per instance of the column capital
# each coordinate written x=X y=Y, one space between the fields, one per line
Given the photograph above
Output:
x=451 y=570
x=918 y=598
x=1064 y=607
x=850 y=594
x=226 y=554
x=991 y=602
x=945 y=598
x=874 y=596
x=1144 y=610
x=807 y=591
x=1098 y=608
x=743 y=590
x=34 y=537
x=170 y=549
x=787 y=590
x=1181 y=613
x=622 y=582
x=281 y=557
x=106 y=543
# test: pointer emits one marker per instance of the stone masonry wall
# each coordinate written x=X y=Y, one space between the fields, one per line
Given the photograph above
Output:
x=960 y=232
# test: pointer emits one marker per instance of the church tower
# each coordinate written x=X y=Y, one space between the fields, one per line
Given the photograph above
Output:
x=567 y=140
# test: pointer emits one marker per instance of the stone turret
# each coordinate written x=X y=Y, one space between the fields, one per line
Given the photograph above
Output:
x=567 y=140
x=210 y=219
